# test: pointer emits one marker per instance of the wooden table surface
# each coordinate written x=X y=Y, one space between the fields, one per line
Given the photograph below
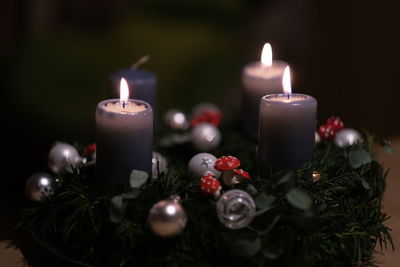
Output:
x=12 y=256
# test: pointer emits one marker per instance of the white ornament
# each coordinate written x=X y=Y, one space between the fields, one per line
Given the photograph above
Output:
x=205 y=137
x=63 y=155
x=176 y=119
x=201 y=164
x=347 y=137
x=317 y=138
x=39 y=186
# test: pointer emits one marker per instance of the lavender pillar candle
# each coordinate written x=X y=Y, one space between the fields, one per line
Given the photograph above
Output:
x=124 y=138
x=259 y=78
x=143 y=84
x=287 y=131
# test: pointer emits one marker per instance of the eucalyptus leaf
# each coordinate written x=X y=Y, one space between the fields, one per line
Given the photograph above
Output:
x=132 y=194
x=138 y=178
x=251 y=190
x=117 y=209
x=359 y=157
x=287 y=177
x=299 y=198
x=246 y=247
x=264 y=201
x=365 y=184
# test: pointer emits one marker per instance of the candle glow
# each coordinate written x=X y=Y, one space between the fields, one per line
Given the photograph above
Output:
x=266 y=55
x=124 y=91
x=286 y=83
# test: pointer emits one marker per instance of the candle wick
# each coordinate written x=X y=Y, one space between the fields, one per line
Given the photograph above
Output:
x=123 y=104
x=140 y=61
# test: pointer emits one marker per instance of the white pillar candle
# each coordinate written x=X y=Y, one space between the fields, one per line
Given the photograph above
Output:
x=124 y=137
x=259 y=78
x=287 y=129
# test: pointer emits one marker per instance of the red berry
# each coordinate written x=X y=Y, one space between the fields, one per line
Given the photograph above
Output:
x=89 y=150
x=336 y=123
x=326 y=131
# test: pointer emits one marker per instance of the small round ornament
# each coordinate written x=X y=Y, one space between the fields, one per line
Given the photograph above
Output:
x=205 y=136
x=316 y=176
x=159 y=164
x=347 y=137
x=176 y=119
x=167 y=217
x=202 y=164
x=39 y=186
x=317 y=138
x=236 y=209
x=63 y=155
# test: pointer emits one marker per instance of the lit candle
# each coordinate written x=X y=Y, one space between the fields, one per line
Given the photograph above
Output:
x=144 y=83
x=259 y=78
x=124 y=136
x=287 y=129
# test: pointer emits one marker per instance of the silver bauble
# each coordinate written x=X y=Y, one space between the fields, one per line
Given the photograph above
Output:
x=347 y=137
x=202 y=107
x=317 y=138
x=167 y=217
x=63 y=155
x=201 y=164
x=236 y=209
x=159 y=164
x=176 y=119
x=205 y=137
x=39 y=186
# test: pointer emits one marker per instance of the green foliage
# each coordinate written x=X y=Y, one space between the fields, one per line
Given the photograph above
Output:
x=337 y=221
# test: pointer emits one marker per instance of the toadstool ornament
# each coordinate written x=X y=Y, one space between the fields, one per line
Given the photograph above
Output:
x=336 y=123
x=326 y=131
x=210 y=186
x=239 y=176
x=226 y=165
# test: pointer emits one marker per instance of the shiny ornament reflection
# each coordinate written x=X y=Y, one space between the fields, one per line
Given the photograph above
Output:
x=167 y=217
x=205 y=137
x=347 y=137
x=176 y=119
x=63 y=155
x=39 y=186
x=159 y=164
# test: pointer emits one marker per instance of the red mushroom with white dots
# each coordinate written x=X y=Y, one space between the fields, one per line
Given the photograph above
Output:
x=210 y=186
x=226 y=165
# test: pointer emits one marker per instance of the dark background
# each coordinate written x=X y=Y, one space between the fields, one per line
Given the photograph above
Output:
x=56 y=55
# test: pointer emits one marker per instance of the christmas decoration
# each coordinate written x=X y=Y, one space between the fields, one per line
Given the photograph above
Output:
x=159 y=164
x=201 y=164
x=167 y=217
x=336 y=123
x=236 y=209
x=347 y=137
x=63 y=155
x=213 y=117
x=209 y=185
x=176 y=119
x=204 y=107
x=205 y=137
x=316 y=176
x=90 y=151
x=317 y=138
x=39 y=186
x=226 y=165
x=326 y=131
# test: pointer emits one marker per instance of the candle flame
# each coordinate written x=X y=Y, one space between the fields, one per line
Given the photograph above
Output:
x=286 y=83
x=124 y=91
x=266 y=55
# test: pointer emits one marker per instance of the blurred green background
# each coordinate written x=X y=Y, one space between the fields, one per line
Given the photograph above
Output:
x=56 y=56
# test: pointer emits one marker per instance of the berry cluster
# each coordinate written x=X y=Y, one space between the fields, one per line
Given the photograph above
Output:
x=332 y=126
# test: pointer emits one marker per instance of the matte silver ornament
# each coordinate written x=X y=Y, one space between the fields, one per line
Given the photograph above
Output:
x=201 y=164
x=63 y=155
x=39 y=186
x=202 y=107
x=176 y=119
x=347 y=137
x=159 y=164
x=167 y=217
x=236 y=209
x=205 y=137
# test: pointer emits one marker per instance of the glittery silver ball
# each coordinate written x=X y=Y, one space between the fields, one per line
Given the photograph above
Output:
x=63 y=155
x=347 y=137
x=236 y=209
x=159 y=164
x=201 y=164
x=205 y=137
x=167 y=217
x=39 y=186
x=176 y=119
x=202 y=107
